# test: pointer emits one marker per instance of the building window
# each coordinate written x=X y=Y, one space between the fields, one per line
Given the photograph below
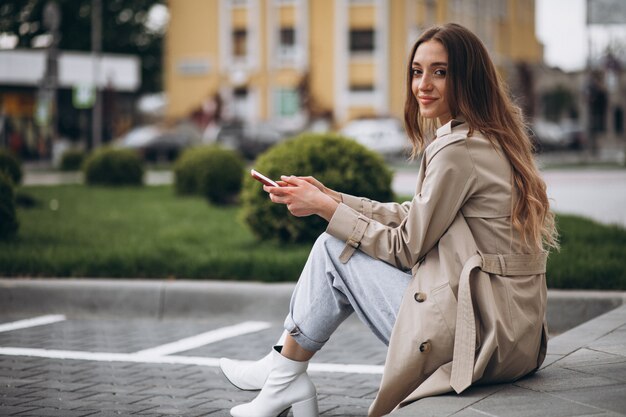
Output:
x=287 y=36
x=362 y=40
x=361 y=88
x=287 y=103
x=286 y=44
x=240 y=40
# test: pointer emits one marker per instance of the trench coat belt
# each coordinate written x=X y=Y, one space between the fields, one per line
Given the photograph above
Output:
x=465 y=333
x=354 y=241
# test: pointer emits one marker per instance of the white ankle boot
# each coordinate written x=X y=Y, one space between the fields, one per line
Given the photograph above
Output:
x=288 y=385
x=248 y=375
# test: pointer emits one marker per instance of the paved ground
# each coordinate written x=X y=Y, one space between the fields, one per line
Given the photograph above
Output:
x=85 y=365
x=88 y=384
x=584 y=375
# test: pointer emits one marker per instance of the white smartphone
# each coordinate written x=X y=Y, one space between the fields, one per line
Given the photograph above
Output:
x=263 y=179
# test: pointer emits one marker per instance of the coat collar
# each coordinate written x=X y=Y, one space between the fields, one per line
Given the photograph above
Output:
x=448 y=127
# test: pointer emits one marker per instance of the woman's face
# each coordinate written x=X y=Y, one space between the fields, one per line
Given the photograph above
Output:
x=429 y=69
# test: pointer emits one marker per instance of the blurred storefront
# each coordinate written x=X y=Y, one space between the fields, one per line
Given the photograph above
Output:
x=295 y=60
x=590 y=102
x=29 y=124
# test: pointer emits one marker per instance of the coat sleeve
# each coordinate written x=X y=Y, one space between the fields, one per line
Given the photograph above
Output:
x=448 y=183
x=389 y=214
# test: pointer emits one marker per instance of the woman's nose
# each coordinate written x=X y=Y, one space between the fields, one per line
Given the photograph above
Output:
x=424 y=83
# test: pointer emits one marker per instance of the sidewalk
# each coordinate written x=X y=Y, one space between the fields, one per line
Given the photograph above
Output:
x=97 y=355
x=52 y=177
x=584 y=374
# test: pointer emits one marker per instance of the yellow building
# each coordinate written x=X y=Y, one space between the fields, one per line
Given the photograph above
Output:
x=282 y=60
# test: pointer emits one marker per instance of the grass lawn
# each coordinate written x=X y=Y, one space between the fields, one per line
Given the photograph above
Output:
x=149 y=232
x=139 y=232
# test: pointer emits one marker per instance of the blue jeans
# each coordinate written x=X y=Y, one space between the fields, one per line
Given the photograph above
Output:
x=328 y=291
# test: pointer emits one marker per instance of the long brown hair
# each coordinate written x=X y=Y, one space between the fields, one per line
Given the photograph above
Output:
x=476 y=92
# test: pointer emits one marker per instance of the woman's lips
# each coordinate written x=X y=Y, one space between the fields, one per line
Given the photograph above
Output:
x=427 y=100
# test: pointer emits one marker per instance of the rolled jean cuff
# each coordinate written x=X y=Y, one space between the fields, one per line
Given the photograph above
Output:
x=300 y=338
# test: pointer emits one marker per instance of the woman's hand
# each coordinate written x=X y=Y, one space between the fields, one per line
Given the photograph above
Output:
x=331 y=193
x=303 y=197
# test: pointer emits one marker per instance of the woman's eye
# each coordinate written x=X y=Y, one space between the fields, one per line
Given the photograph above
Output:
x=440 y=72
x=416 y=72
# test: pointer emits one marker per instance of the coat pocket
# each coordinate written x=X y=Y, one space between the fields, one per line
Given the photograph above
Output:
x=446 y=305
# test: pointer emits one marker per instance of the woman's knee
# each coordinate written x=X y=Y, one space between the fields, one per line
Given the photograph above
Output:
x=329 y=243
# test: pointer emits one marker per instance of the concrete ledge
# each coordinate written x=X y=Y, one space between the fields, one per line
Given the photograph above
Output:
x=174 y=299
x=569 y=308
x=142 y=298
x=587 y=333
x=211 y=298
x=79 y=297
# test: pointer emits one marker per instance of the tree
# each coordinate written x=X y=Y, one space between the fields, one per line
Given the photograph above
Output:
x=125 y=29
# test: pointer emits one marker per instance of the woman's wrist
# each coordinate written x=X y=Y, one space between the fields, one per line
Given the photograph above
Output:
x=333 y=194
x=327 y=208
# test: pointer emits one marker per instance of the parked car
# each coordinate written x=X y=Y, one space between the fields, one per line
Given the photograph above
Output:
x=158 y=143
x=552 y=136
x=383 y=135
x=248 y=138
x=575 y=133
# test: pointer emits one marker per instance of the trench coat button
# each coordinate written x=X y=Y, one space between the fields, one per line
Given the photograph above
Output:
x=420 y=297
x=425 y=347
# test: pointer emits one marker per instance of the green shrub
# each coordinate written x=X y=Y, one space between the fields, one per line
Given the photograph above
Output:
x=339 y=163
x=187 y=170
x=11 y=166
x=8 y=218
x=72 y=160
x=222 y=178
x=592 y=255
x=109 y=166
x=210 y=171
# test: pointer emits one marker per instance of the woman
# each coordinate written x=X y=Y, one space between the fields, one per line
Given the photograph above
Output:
x=454 y=280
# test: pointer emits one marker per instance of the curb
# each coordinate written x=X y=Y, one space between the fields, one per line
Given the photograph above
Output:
x=160 y=299
x=569 y=308
x=120 y=298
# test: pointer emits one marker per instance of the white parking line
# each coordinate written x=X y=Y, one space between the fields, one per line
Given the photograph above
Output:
x=163 y=354
x=173 y=359
x=71 y=354
x=35 y=321
x=205 y=338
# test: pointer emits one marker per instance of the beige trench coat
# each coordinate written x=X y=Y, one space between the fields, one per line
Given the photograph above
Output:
x=474 y=311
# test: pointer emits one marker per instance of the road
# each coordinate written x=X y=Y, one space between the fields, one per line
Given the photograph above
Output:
x=594 y=193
